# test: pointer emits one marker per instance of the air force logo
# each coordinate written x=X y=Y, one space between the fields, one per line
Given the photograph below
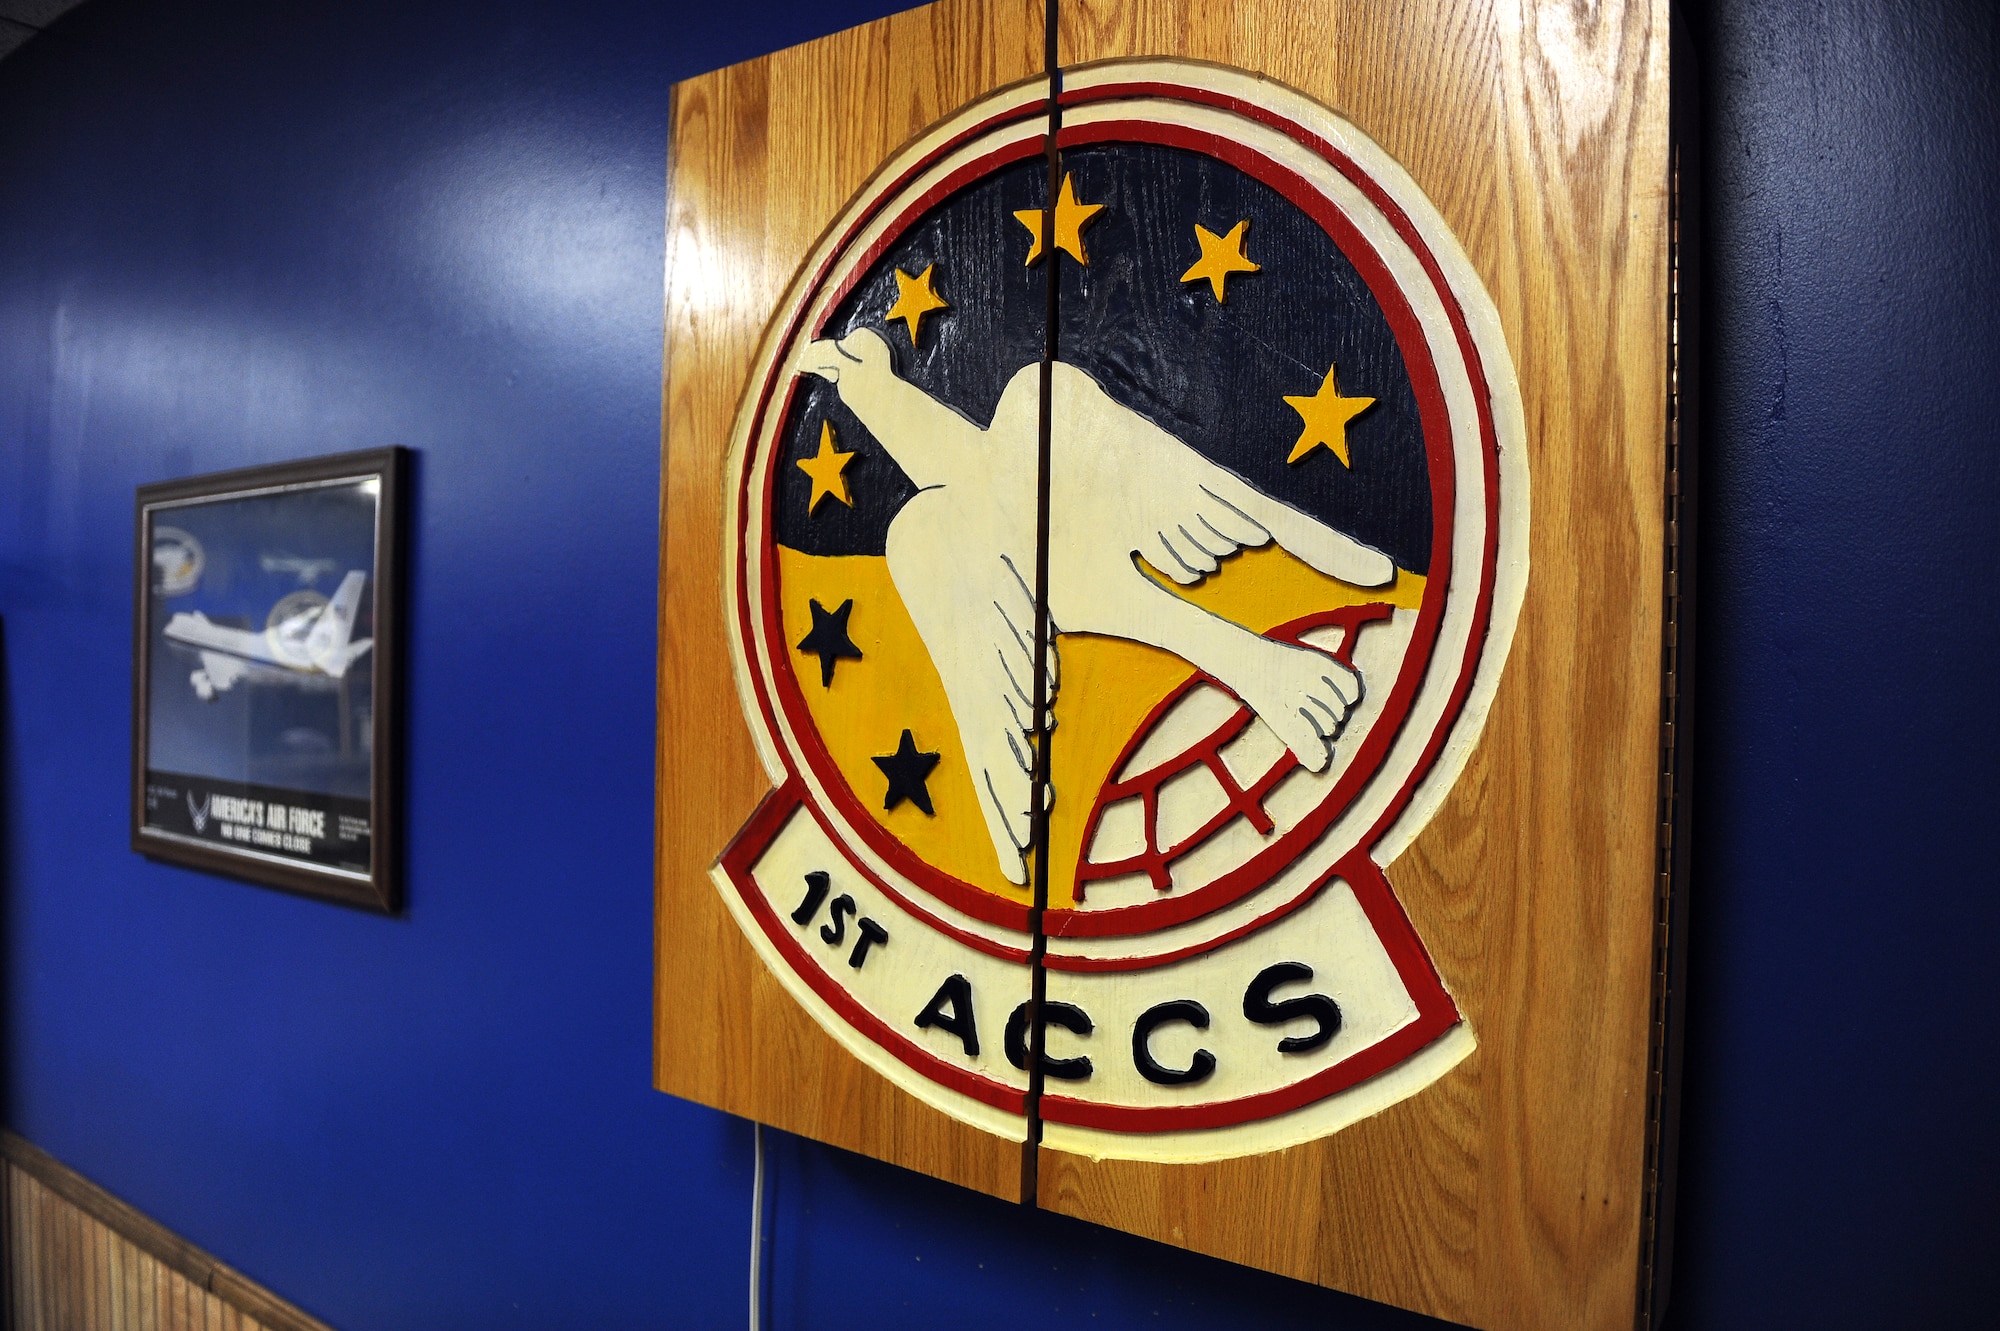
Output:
x=1286 y=548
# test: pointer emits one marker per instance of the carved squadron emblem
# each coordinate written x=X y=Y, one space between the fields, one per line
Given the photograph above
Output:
x=1286 y=546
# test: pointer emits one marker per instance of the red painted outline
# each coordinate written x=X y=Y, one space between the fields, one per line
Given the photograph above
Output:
x=1436 y=1012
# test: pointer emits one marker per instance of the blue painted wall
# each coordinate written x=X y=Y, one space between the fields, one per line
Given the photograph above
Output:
x=233 y=233
x=1841 y=1159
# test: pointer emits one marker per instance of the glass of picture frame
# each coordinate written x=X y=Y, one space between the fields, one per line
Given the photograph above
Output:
x=266 y=680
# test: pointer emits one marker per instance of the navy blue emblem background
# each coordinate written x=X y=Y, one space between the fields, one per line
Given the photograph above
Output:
x=1214 y=375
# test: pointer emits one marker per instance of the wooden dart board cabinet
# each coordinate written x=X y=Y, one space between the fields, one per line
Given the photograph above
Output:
x=1168 y=650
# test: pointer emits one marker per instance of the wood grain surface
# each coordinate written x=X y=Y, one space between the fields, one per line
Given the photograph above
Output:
x=1510 y=1194
x=79 y=1259
x=764 y=155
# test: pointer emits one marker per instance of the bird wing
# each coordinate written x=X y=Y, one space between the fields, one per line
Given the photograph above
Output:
x=1183 y=513
x=1209 y=512
x=968 y=593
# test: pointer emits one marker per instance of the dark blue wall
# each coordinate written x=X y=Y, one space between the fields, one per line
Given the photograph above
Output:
x=238 y=233
x=1841 y=1143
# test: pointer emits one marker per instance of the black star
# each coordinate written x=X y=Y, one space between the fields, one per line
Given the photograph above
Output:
x=828 y=639
x=907 y=770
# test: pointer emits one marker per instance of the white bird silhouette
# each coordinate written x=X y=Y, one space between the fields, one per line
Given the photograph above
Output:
x=961 y=554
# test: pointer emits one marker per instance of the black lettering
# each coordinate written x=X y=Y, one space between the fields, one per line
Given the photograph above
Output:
x=1066 y=1015
x=1180 y=1009
x=843 y=906
x=817 y=882
x=955 y=993
x=1257 y=1006
x=871 y=934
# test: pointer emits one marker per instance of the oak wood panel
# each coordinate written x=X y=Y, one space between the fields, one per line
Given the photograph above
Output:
x=764 y=155
x=79 y=1259
x=1509 y=1194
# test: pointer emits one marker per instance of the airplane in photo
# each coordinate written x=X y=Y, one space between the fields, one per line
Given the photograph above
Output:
x=307 y=647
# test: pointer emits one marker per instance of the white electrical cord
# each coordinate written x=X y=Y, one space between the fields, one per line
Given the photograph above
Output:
x=756 y=1224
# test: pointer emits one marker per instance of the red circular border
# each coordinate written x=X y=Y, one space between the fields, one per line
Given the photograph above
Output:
x=1436 y=1011
x=1261 y=868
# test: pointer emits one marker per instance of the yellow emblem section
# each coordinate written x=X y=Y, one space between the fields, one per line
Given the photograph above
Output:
x=1109 y=687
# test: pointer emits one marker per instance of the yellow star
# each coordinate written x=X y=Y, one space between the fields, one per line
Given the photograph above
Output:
x=825 y=470
x=1071 y=218
x=1326 y=414
x=1220 y=256
x=915 y=299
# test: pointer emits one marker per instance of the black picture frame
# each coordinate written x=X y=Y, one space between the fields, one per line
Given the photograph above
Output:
x=283 y=818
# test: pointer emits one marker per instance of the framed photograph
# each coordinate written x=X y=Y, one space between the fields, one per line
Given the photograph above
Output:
x=266 y=687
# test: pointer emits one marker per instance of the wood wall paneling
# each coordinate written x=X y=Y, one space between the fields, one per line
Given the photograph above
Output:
x=764 y=155
x=1508 y=1195
x=79 y=1259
